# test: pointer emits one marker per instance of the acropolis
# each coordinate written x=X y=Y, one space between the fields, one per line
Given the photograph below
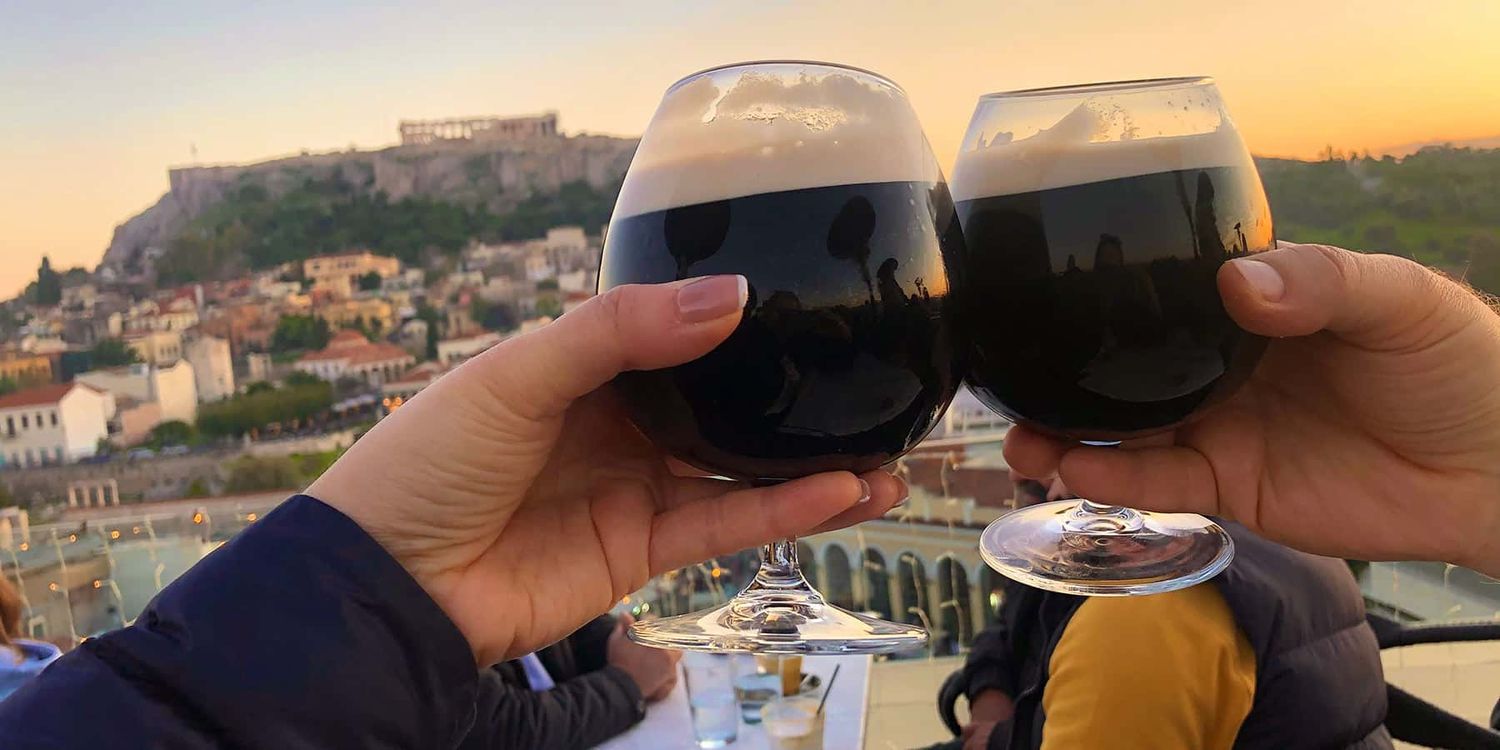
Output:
x=426 y=132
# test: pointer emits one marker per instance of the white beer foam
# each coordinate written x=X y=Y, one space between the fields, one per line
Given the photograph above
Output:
x=768 y=133
x=1070 y=153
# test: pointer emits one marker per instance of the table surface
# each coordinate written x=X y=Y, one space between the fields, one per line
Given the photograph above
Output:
x=669 y=726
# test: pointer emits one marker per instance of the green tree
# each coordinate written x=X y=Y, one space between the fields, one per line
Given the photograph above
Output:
x=549 y=306
x=263 y=473
x=497 y=316
x=171 y=432
x=248 y=411
x=295 y=332
x=8 y=385
x=48 y=284
x=112 y=353
x=369 y=282
x=298 y=377
x=434 y=320
x=196 y=489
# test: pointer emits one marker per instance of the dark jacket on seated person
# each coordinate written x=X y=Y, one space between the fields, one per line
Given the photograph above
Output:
x=591 y=701
x=1272 y=653
x=301 y=633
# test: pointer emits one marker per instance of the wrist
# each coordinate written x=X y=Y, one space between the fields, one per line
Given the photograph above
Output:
x=991 y=706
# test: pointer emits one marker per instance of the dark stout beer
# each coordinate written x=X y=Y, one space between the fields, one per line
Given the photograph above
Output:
x=846 y=355
x=1093 y=307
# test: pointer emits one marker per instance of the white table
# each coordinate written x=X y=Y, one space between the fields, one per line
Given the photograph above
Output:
x=669 y=726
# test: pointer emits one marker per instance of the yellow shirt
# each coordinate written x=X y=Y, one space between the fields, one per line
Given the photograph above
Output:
x=1150 y=672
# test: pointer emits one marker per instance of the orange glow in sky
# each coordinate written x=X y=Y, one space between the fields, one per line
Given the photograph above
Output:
x=96 y=108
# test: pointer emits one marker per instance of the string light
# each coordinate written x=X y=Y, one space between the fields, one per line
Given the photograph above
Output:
x=25 y=546
x=114 y=534
x=98 y=583
x=197 y=518
x=72 y=538
x=250 y=516
x=52 y=586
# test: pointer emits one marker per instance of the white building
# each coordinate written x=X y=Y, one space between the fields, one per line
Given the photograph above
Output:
x=176 y=313
x=173 y=387
x=581 y=280
x=567 y=238
x=257 y=366
x=213 y=370
x=82 y=296
x=465 y=278
x=453 y=351
x=273 y=288
x=156 y=347
x=53 y=424
x=538 y=268
x=350 y=354
x=398 y=391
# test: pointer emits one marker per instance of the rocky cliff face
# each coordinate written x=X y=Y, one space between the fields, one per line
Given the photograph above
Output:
x=498 y=175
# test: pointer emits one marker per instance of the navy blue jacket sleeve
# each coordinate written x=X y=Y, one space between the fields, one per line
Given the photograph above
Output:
x=301 y=632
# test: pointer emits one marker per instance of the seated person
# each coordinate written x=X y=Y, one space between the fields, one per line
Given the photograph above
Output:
x=1274 y=652
x=20 y=659
x=574 y=694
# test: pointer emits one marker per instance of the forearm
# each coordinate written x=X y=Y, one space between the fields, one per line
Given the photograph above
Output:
x=299 y=633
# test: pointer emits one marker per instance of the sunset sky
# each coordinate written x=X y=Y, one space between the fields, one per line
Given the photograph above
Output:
x=96 y=104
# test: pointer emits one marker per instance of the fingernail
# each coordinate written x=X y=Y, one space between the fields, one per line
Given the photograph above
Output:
x=711 y=297
x=864 y=491
x=1263 y=278
x=905 y=495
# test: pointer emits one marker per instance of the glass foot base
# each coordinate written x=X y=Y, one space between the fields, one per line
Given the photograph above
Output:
x=770 y=621
x=1066 y=547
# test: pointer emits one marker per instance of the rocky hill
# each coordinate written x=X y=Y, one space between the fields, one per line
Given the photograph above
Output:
x=473 y=178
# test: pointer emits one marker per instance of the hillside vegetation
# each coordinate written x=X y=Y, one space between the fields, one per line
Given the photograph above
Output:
x=250 y=229
x=1439 y=206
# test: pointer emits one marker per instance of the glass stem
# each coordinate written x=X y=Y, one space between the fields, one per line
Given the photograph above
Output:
x=1091 y=507
x=778 y=567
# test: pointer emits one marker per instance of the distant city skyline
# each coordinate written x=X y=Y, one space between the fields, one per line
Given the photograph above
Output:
x=100 y=103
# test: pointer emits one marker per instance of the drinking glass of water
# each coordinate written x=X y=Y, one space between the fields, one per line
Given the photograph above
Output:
x=709 y=679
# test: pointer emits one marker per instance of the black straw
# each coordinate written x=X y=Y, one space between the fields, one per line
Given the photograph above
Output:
x=828 y=690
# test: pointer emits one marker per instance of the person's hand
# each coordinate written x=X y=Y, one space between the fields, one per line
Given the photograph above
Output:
x=654 y=670
x=1370 y=429
x=986 y=711
x=976 y=735
x=525 y=503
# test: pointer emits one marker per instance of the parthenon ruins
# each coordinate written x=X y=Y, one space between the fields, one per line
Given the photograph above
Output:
x=424 y=132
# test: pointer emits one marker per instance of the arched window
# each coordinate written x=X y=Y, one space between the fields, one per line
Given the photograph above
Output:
x=836 y=569
x=955 y=620
x=992 y=592
x=911 y=581
x=877 y=583
x=808 y=561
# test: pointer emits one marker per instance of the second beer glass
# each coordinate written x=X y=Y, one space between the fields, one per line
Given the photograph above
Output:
x=1096 y=219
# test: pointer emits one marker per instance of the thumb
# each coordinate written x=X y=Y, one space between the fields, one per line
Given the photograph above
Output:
x=632 y=327
x=1369 y=300
x=624 y=621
